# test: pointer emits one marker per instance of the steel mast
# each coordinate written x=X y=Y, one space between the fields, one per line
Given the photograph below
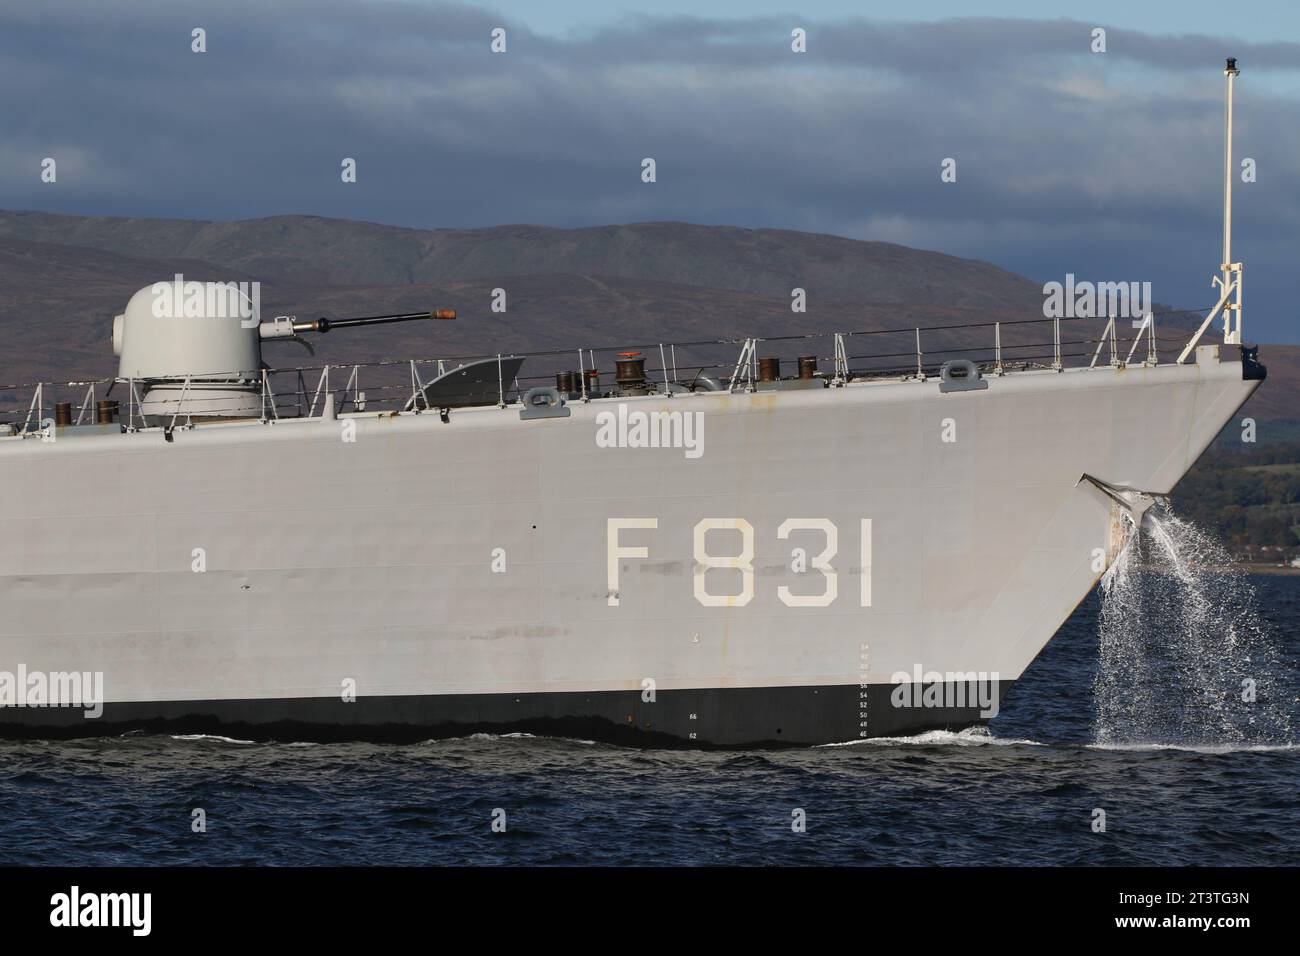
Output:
x=1232 y=310
x=1229 y=278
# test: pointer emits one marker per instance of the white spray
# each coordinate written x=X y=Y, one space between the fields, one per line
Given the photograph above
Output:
x=1185 y=657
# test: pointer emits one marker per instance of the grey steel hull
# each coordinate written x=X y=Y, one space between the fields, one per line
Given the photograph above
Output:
x=435 y=578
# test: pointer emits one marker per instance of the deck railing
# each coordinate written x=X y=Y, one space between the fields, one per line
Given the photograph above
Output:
x=913 y=352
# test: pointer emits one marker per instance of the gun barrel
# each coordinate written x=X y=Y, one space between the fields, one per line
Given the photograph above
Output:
x=323 y=325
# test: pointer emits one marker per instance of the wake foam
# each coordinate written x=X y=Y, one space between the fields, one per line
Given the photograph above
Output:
x=970 y=737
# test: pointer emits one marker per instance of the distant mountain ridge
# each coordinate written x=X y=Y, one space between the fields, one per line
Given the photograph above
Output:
x=343 y=252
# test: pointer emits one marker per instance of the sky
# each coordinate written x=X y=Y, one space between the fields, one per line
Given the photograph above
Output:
x=1106 y=165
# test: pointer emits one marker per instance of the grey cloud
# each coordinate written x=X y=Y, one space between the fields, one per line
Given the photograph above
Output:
x=1104 y=165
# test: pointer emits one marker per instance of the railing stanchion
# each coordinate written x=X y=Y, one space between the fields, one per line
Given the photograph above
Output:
x=181 y=404
x=1101 y=342
x=87 y=404
x=322 y=387
x=268 y=398
x=417 y=390
x=37 y=408
x=841 y=361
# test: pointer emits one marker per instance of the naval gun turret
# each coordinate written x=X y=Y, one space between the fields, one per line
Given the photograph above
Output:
x=194 y=349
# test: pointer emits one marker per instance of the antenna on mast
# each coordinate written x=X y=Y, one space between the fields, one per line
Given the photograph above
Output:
x=1229 y=278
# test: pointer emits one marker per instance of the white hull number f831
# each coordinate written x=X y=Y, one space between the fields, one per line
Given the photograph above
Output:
x=744 y=560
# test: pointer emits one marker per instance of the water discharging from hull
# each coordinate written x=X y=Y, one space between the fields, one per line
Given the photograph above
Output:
x=1183 y=645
